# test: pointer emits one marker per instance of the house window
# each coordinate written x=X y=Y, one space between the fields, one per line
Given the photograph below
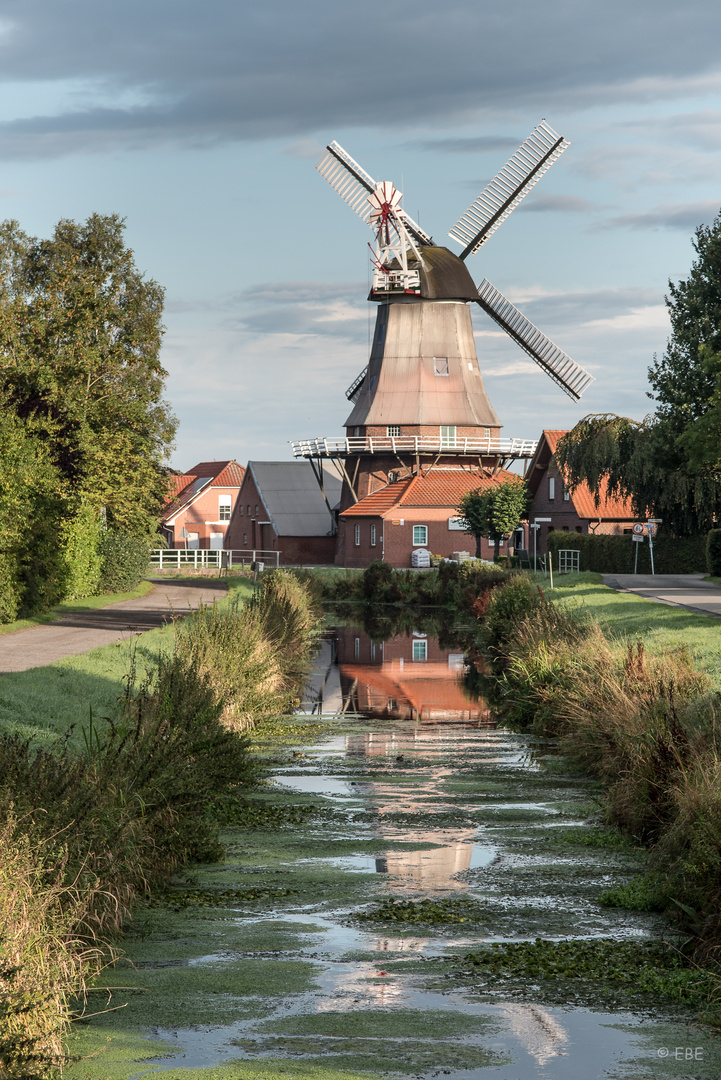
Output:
x=357 y=536
x=240 y=509
x=579 y=528
x=373 y=536
x=551 y=487
x=393 y=430
x=448 y=435
x=257 y=511
x=245 y=539
x=420 y=535
x=566 y=494
x=356 y=647
x=420 y=650
x=440 y=365
x=373 y=650
x=224 y=502
x=248 y=509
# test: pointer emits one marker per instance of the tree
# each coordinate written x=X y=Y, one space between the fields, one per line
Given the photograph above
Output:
x=494 y=511
x=669 y=464
x=80 y=335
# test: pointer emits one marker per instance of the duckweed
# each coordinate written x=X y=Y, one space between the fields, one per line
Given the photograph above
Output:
x=429 y=912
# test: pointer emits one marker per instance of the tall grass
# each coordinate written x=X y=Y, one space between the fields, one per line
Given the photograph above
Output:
x=648 y=725
x=86 y=835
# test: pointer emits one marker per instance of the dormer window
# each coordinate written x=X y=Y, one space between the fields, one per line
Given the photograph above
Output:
x=440 y=365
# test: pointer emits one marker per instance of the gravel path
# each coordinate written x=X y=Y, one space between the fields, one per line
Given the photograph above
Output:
x=83 y=630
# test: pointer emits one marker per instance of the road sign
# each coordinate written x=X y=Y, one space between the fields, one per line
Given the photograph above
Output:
x=544 y=520
x=638 y=528
x=637 y=539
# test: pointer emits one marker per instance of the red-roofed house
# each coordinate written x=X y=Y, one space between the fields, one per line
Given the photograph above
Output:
x=415 y=512
x=575 y=512
x=201 y=501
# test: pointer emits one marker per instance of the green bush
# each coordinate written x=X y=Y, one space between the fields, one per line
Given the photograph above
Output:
x=508 y=604
x=125 y=560
x=80 y=539
x=713 y=552
x=607 y=554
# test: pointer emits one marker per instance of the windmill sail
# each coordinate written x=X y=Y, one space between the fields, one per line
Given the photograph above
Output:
x=531 y=160
x=354 y=185
x=570 y=376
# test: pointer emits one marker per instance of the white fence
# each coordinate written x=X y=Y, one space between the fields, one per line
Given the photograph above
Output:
x=202 y=558
x=425 y=444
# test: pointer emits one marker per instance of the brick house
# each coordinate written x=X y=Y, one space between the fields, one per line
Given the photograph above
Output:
x=282 y=508
x=415 y=512
x=201 y=501
x=575 y=512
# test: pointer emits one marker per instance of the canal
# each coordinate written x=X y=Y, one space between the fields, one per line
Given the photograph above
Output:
x=348 y=932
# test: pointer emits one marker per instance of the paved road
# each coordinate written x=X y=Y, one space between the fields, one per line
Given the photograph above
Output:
x=84 y=630
x=678 y=590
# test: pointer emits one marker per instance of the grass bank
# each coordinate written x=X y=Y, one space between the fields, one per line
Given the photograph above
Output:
x=117 y=802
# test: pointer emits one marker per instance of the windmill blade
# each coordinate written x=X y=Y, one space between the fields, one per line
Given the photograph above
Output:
x=570 y=376
x=531 y=160
x=354 y=185
x=346 y=176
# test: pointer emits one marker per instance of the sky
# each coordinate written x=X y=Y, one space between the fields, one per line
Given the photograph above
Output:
x=200 y=122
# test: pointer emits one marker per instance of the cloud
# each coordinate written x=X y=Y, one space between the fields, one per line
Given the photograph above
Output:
x=684 y=216
x=302 y=308
x=196 y=75
x=477 y=145
x=564 y=204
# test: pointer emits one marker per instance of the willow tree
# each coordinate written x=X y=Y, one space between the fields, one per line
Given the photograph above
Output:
x=669 y=464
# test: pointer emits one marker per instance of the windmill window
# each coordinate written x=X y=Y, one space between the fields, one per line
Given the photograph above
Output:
x=373 y=536
x=440 y=365
x=448 y=435
x=551 y=487
x=356 y=432
x=420 y=535
x=356 y=536
x=373 y=382
x=486 y=433
x=224 y=502
x=394 y=430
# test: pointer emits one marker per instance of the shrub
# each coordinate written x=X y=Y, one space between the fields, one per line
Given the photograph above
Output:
x=125 y=560
x=80 y=538
x=713 y=552
x=516 y=598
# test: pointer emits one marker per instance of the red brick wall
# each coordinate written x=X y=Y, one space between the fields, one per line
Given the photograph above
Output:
x=563 y=513
x=394 y=543
x=294 y=550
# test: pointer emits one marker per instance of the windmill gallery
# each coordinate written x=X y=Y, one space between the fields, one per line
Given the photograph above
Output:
x=422 y=430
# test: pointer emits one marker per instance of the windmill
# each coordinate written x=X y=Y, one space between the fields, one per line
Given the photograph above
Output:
x=422 y=394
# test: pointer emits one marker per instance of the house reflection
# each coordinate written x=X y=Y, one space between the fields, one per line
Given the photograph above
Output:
x=407 y=677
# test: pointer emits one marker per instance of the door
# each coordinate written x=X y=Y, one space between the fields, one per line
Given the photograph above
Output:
x=216 y=541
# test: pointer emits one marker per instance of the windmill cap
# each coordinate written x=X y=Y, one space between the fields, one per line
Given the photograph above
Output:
x=443 y=276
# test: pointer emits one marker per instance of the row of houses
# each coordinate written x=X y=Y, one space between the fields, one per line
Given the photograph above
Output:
x=289 y=509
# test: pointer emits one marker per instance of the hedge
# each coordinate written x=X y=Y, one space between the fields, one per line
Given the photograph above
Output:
x=615 y=554
x=126 y=559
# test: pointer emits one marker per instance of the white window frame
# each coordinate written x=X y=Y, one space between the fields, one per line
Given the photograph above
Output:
x=424 y=541
x=356 y=535
x=441 y=362
x=448 y=434
x=551 y=488
x=566 y=494
x=393 y=431
x=420 y=650
x=225 y=506
x=373 y=536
